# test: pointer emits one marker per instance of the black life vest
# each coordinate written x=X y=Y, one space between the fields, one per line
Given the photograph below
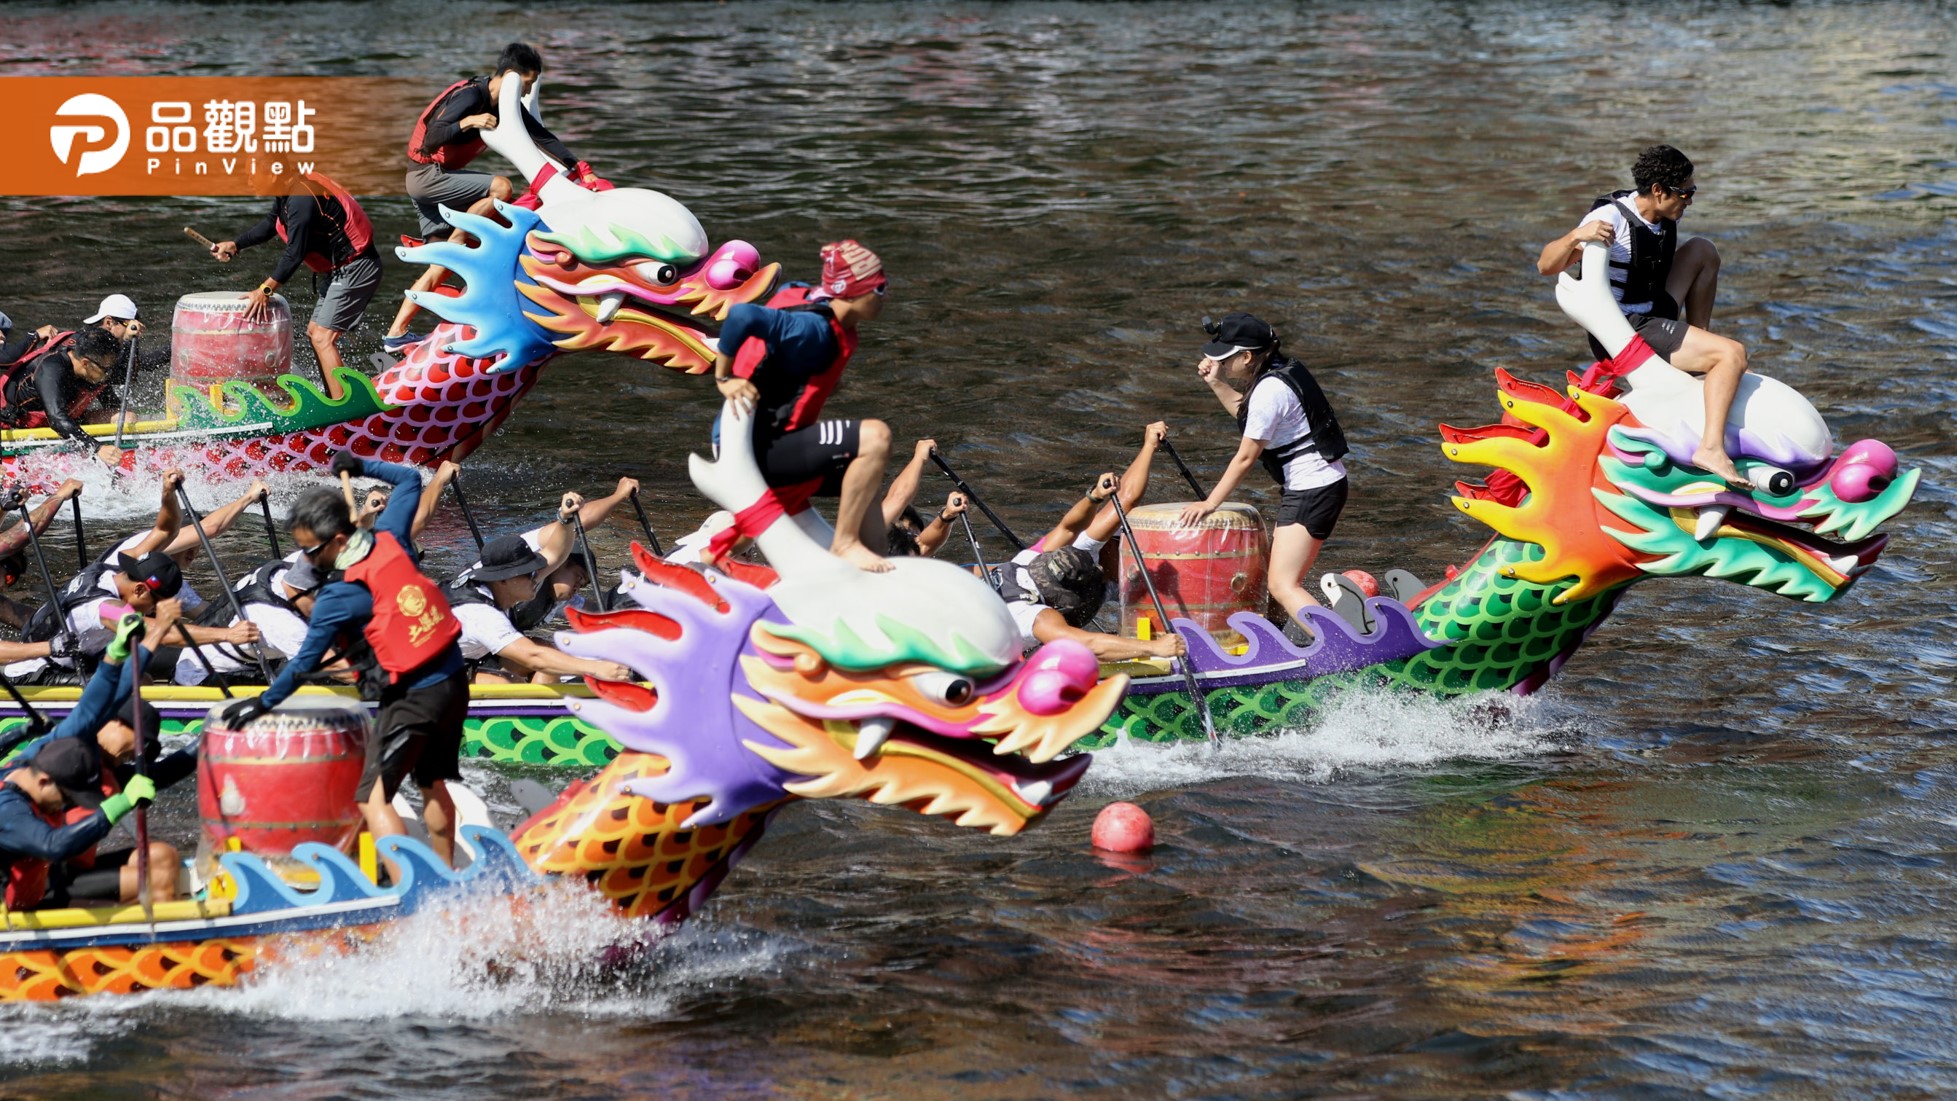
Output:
x=1643 y=278
x=463 y=590
x=45 y=622
x=1322 y=431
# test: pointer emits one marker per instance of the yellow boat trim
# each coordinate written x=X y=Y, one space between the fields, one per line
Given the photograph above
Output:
x=77 y=917
x=17 y=435
x=180 y=694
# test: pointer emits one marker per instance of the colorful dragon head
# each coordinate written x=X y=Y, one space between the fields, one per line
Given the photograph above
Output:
x=620 y=269
x=905 y=688
x=1610 y=502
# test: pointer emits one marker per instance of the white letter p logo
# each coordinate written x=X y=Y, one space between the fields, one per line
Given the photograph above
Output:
x=101 y=108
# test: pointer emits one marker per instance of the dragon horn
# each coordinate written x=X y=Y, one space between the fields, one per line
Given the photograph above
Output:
x=1588 y=302
x=734 y=482
x=511 y=139
x=533 y=100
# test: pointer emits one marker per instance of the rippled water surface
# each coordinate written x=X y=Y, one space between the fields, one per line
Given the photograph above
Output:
x=1713 y=860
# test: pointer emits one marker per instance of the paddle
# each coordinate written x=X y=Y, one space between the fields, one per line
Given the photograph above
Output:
x=271 y=529
x=136 y=661
x=128 y=384
x=223 y=683
x=37 y=723
x=978 y=555
x=1201 y=493
x=1141 y=563
x=237 y=610
x=81 y=545
x=590 y=562
x=47 y=579
x=651 y=539
x=974 y=498
x=455 y=483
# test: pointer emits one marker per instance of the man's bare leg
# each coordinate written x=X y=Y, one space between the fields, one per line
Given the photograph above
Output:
x=438 y=814
x=1722 y=362
x=856 y=536
x=1694 y=281
x=163 y=860
x=436 y=275
x=326 y=345
x=378 y=811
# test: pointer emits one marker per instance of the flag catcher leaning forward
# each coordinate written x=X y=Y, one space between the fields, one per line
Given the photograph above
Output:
x=782 y=363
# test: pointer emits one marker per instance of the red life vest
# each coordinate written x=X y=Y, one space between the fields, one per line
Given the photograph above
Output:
x=806 y=407
x=27 y=878
x=20 y=373
x=110 y=787
x=354 y=223
x=452 y=156
x=412 y=623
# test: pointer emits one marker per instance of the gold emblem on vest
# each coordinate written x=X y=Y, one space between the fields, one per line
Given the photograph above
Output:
x=414 y=604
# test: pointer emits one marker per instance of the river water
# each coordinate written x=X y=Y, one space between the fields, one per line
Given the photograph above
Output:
x=1713 y=860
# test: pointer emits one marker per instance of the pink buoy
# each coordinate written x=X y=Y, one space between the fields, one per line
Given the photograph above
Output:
x=1367 y=583
x=1124 y=828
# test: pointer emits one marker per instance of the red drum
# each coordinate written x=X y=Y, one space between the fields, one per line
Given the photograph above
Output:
x=290 y=776
x=211 y=342
x=1206 y=573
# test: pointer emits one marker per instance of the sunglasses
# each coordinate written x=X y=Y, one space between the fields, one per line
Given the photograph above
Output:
x=882 y=289
x=312 y=552
x=1684 y=192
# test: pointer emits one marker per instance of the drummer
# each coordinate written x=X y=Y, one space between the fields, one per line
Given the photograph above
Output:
x=1289 y=428
x=322 y=227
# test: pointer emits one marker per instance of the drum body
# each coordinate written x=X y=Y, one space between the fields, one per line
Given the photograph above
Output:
x=1205 y=573
x=211 y=342
x=288 y=777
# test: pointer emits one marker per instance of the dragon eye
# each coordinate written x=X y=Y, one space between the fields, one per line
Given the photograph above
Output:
x=659 y=273
x=949 y=687
x=1774 y=480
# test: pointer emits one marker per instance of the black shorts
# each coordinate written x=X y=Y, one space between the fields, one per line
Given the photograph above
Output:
x=1318 y=509
x=420 y=731
x=98 y=884
x=822 y=450
x=1661 y=328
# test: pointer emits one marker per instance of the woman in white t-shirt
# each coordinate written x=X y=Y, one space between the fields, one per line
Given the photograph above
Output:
x=1288 y=427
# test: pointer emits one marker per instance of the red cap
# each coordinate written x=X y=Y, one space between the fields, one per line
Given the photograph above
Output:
x=849 y=269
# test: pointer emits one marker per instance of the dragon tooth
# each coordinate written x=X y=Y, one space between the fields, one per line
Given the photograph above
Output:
x=871 y=734
x=608 y=307
x=1711 y=518
x=1035 y=793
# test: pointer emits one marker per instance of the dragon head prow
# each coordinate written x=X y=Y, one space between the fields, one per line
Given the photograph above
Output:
x=1610 y=504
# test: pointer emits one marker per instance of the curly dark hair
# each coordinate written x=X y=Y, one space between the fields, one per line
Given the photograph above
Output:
x=1661 y=166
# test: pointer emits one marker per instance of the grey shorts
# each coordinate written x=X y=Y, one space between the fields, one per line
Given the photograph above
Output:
x=348 y=289
x=431 y=186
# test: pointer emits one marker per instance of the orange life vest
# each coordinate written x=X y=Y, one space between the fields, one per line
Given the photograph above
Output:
x=359 y=229
x=27 y=879
x=412 y=623
x=110 y=787
x=452 y=156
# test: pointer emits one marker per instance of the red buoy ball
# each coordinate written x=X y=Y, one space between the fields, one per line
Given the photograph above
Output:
x=1124 y=828
x=1367 y=583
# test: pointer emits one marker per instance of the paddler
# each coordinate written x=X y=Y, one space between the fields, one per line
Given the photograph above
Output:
x=1054 y=588
x=1665 y=287
x=393 y=621
x=446 y=138
x=61 y=386
x=15 y=543
x=116 y=315
x=325 y=229
x=486 y=594
x=785 y=363
x=1289 y=428
x=34 y=836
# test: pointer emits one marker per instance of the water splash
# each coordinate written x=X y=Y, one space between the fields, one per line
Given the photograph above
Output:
x=1362 y=730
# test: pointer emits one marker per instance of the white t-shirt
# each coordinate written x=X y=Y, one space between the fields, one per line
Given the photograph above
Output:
x=1620 y=247
x=1276 y=419
x=282 y=629
x=90 y=637
x=486 y=629
x=1025 y=611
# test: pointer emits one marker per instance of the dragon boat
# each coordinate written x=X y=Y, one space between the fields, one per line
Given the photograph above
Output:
x=907 y=689
x=626 y=270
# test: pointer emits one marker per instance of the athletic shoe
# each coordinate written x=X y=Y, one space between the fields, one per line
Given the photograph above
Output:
x=405 y=340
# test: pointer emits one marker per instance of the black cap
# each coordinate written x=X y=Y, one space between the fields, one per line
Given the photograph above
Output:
x=75 y=767
x=1069 y=581
x=152 y=720
x=504 y=557
x=1236 y=332
x=154 y=571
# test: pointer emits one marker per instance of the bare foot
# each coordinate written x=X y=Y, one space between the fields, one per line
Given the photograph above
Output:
x=1720 y=464
x=860 y=556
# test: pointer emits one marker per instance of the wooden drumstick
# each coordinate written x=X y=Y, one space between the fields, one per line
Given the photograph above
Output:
x=346 y=488
x=199 y=238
